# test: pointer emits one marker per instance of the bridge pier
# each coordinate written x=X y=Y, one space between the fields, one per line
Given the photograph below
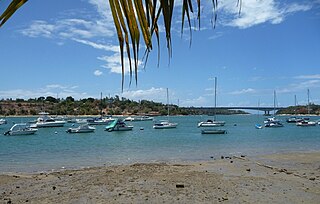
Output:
x=266 y=112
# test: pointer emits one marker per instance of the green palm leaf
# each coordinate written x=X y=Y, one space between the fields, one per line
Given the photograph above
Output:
x=14 y=5
x=134 y=18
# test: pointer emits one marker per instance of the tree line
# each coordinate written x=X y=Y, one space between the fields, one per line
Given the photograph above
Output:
x=90 y=106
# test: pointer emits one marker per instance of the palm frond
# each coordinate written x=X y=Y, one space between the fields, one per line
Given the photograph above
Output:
x=12 y=8
x=133 y=18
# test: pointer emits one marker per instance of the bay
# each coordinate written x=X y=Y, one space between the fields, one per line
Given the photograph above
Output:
x=52 y=149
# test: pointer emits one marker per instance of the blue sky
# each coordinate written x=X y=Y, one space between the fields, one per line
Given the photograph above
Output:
x=69 y=48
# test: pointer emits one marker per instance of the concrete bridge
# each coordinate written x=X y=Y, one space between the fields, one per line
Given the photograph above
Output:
x=266 y=110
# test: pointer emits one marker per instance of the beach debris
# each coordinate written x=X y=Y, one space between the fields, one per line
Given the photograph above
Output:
x=248 y=169
x=179 y=185
x=312 y=179
x=231 y=161
x=54 y=188
x=222 y=157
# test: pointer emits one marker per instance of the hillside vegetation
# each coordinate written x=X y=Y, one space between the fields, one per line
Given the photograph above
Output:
x=90 y=106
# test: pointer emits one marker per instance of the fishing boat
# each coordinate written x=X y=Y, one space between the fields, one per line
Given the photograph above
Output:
x=165 y=124
x=84 y=128
x=118 y=125
x=214 y=122
x=21 y=129
x=213 y=131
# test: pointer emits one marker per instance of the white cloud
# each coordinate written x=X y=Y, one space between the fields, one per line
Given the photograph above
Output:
x=97 y=73
x=154 y=94
x=243 y=91
x=39 y=29
x=112 y=48
x=254 y=12
x=315 y=76
x=196 y=102
x=49 y=90
x=113 y=62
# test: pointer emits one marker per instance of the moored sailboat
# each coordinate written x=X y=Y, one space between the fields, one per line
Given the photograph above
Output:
x=165 y=124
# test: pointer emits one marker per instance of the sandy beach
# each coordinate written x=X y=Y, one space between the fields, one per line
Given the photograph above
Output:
x=277 y=178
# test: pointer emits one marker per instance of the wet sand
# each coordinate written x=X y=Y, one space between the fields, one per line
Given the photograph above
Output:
x=278 y=178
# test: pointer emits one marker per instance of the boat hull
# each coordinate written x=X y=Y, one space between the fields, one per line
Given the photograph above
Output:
x=213 y=131
x=49 y=124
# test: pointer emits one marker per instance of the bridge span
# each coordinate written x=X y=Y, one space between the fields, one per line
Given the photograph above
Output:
x=266 y=110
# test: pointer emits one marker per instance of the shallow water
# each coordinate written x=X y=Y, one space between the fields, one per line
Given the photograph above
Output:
x=54 y=149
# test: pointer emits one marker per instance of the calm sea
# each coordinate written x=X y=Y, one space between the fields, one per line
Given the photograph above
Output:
x=54 y=149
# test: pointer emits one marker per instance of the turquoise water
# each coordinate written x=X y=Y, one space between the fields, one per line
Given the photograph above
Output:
x=54 y=149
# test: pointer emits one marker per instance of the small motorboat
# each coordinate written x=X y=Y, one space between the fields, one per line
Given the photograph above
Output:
x=305 y=123
x=164 y=124
x=118 y=125
x=84 y=128
x=211 y=123
x=3 y=121
x=272 y=122
x=21 y=129
x=47 y=121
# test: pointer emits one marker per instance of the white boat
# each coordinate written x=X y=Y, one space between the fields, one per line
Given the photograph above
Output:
x=294 y=119
x=213 y=131
x=84 y=128
x=98 y=121
x=118 y=125
x=129 y=118
x=306 y=123
x=143 y=118
x=21 y=129
x=3 y=121
x=273 y=121
x=46 y=121
x=164 y=124
x=214 y=122
x=138 y=118
x=211 y=123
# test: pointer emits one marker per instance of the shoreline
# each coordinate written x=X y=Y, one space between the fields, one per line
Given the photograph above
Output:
x=272 y=178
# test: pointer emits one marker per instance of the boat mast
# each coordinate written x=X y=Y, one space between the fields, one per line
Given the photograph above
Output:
x=215 y=98
x=168 y=101
x=274 y=102
x=308 y=105
x=101 y=104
